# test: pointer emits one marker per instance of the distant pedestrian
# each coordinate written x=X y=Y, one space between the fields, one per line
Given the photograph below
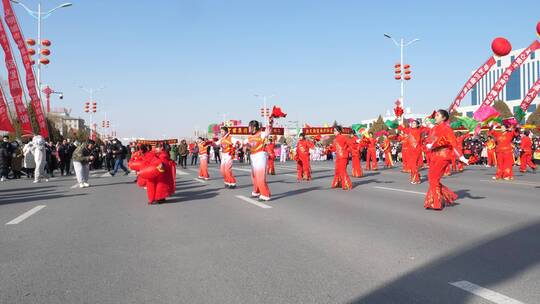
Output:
x=6 y=154
x=119 y=152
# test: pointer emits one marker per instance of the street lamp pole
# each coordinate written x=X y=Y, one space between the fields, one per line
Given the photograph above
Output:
x=40 y=15
x=91 y=91
x=401 y=44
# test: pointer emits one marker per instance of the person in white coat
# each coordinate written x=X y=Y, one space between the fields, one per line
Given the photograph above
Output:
x=29 y=163
x=284 y=153
x=39 y=157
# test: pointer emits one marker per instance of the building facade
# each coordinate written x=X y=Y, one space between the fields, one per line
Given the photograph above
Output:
x=516 y=88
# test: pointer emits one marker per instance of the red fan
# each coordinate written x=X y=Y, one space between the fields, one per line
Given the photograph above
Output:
x=277 y=113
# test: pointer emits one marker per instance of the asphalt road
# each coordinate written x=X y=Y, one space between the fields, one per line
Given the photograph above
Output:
x=374 y=244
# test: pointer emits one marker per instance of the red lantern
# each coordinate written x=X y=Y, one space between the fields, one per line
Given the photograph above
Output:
x=46 y=42
x=32 y=62
x=31 y=52
x=30 y=41
x=398 y=71
x=397 y=77
x=397 y=65
x=407 y=72
x=538 y=28
x=45 y=52
x=407 y=77
x=501 y=46
x=407 y=66
x=44 y=61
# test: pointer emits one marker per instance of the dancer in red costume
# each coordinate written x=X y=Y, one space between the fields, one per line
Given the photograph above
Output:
x=227 y=156
x=504 y=151
x=404 y=152
x=356 y=146
x=160 y=176
x=387 y=149
x=460 y=139
x=271 y=151
x=526 y=152
x=203 y=158
x=414 y=135
x=371 y=157
x=342 y=149
x=442 y=143
x=259 y=158
x=491 y=157
x=303 y=166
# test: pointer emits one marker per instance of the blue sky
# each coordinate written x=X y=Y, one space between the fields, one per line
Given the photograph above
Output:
x=173 y=65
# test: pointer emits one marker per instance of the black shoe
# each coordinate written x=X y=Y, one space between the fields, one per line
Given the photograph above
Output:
x=127 y=173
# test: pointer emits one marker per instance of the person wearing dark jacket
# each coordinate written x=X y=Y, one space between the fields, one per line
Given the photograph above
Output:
x=6 y=153
x=119 y=152
x=183 y=152
x=82 y=156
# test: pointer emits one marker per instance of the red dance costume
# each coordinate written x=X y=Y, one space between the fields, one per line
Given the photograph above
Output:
x=492 y=158
x=414 y=139
x=203 y=157
x=270 y=150
x=526 y=154
x=303 y=166
x=227 y=156
x=404 y=139
x=371 y=157
x=258 y=164
x=355 y=155
x=443 y=146
x=341 y=177
x=505 y=154
x=387 y=149
x=460 y=139
x=160 y=176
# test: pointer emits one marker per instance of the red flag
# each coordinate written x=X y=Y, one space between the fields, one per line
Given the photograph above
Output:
x=277 y=113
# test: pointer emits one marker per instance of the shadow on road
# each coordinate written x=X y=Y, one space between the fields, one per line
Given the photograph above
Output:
x=28 y=199
x=294 y=192
x=487 y=264
x=189 y=196
x=465 y=193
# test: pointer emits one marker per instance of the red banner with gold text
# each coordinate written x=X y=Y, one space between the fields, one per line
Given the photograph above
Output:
x=13 y=25
x=14 y=83
x=475 y=77
x=241 y=130
x=323 y=131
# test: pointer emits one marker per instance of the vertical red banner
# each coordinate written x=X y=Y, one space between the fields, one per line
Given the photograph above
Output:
x=15 y=83
x=5 y=122
x=13 y=25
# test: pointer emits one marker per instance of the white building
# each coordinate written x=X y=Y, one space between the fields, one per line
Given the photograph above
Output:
x=64 y=122
x=516 y=88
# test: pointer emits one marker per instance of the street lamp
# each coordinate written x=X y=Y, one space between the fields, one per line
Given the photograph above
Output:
x=401 y=44
x=48 y=92
x=40 y=15
x=265 y=109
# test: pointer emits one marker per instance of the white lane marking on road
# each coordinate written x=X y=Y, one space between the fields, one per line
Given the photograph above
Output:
x=180 y=172
x=25 y=215
x=74 y=186
x=254 y=202
x=485 y=293
x=105 y=174
x=293 y=175
x=399 y=190
x=200 y=180
x=510 y=182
